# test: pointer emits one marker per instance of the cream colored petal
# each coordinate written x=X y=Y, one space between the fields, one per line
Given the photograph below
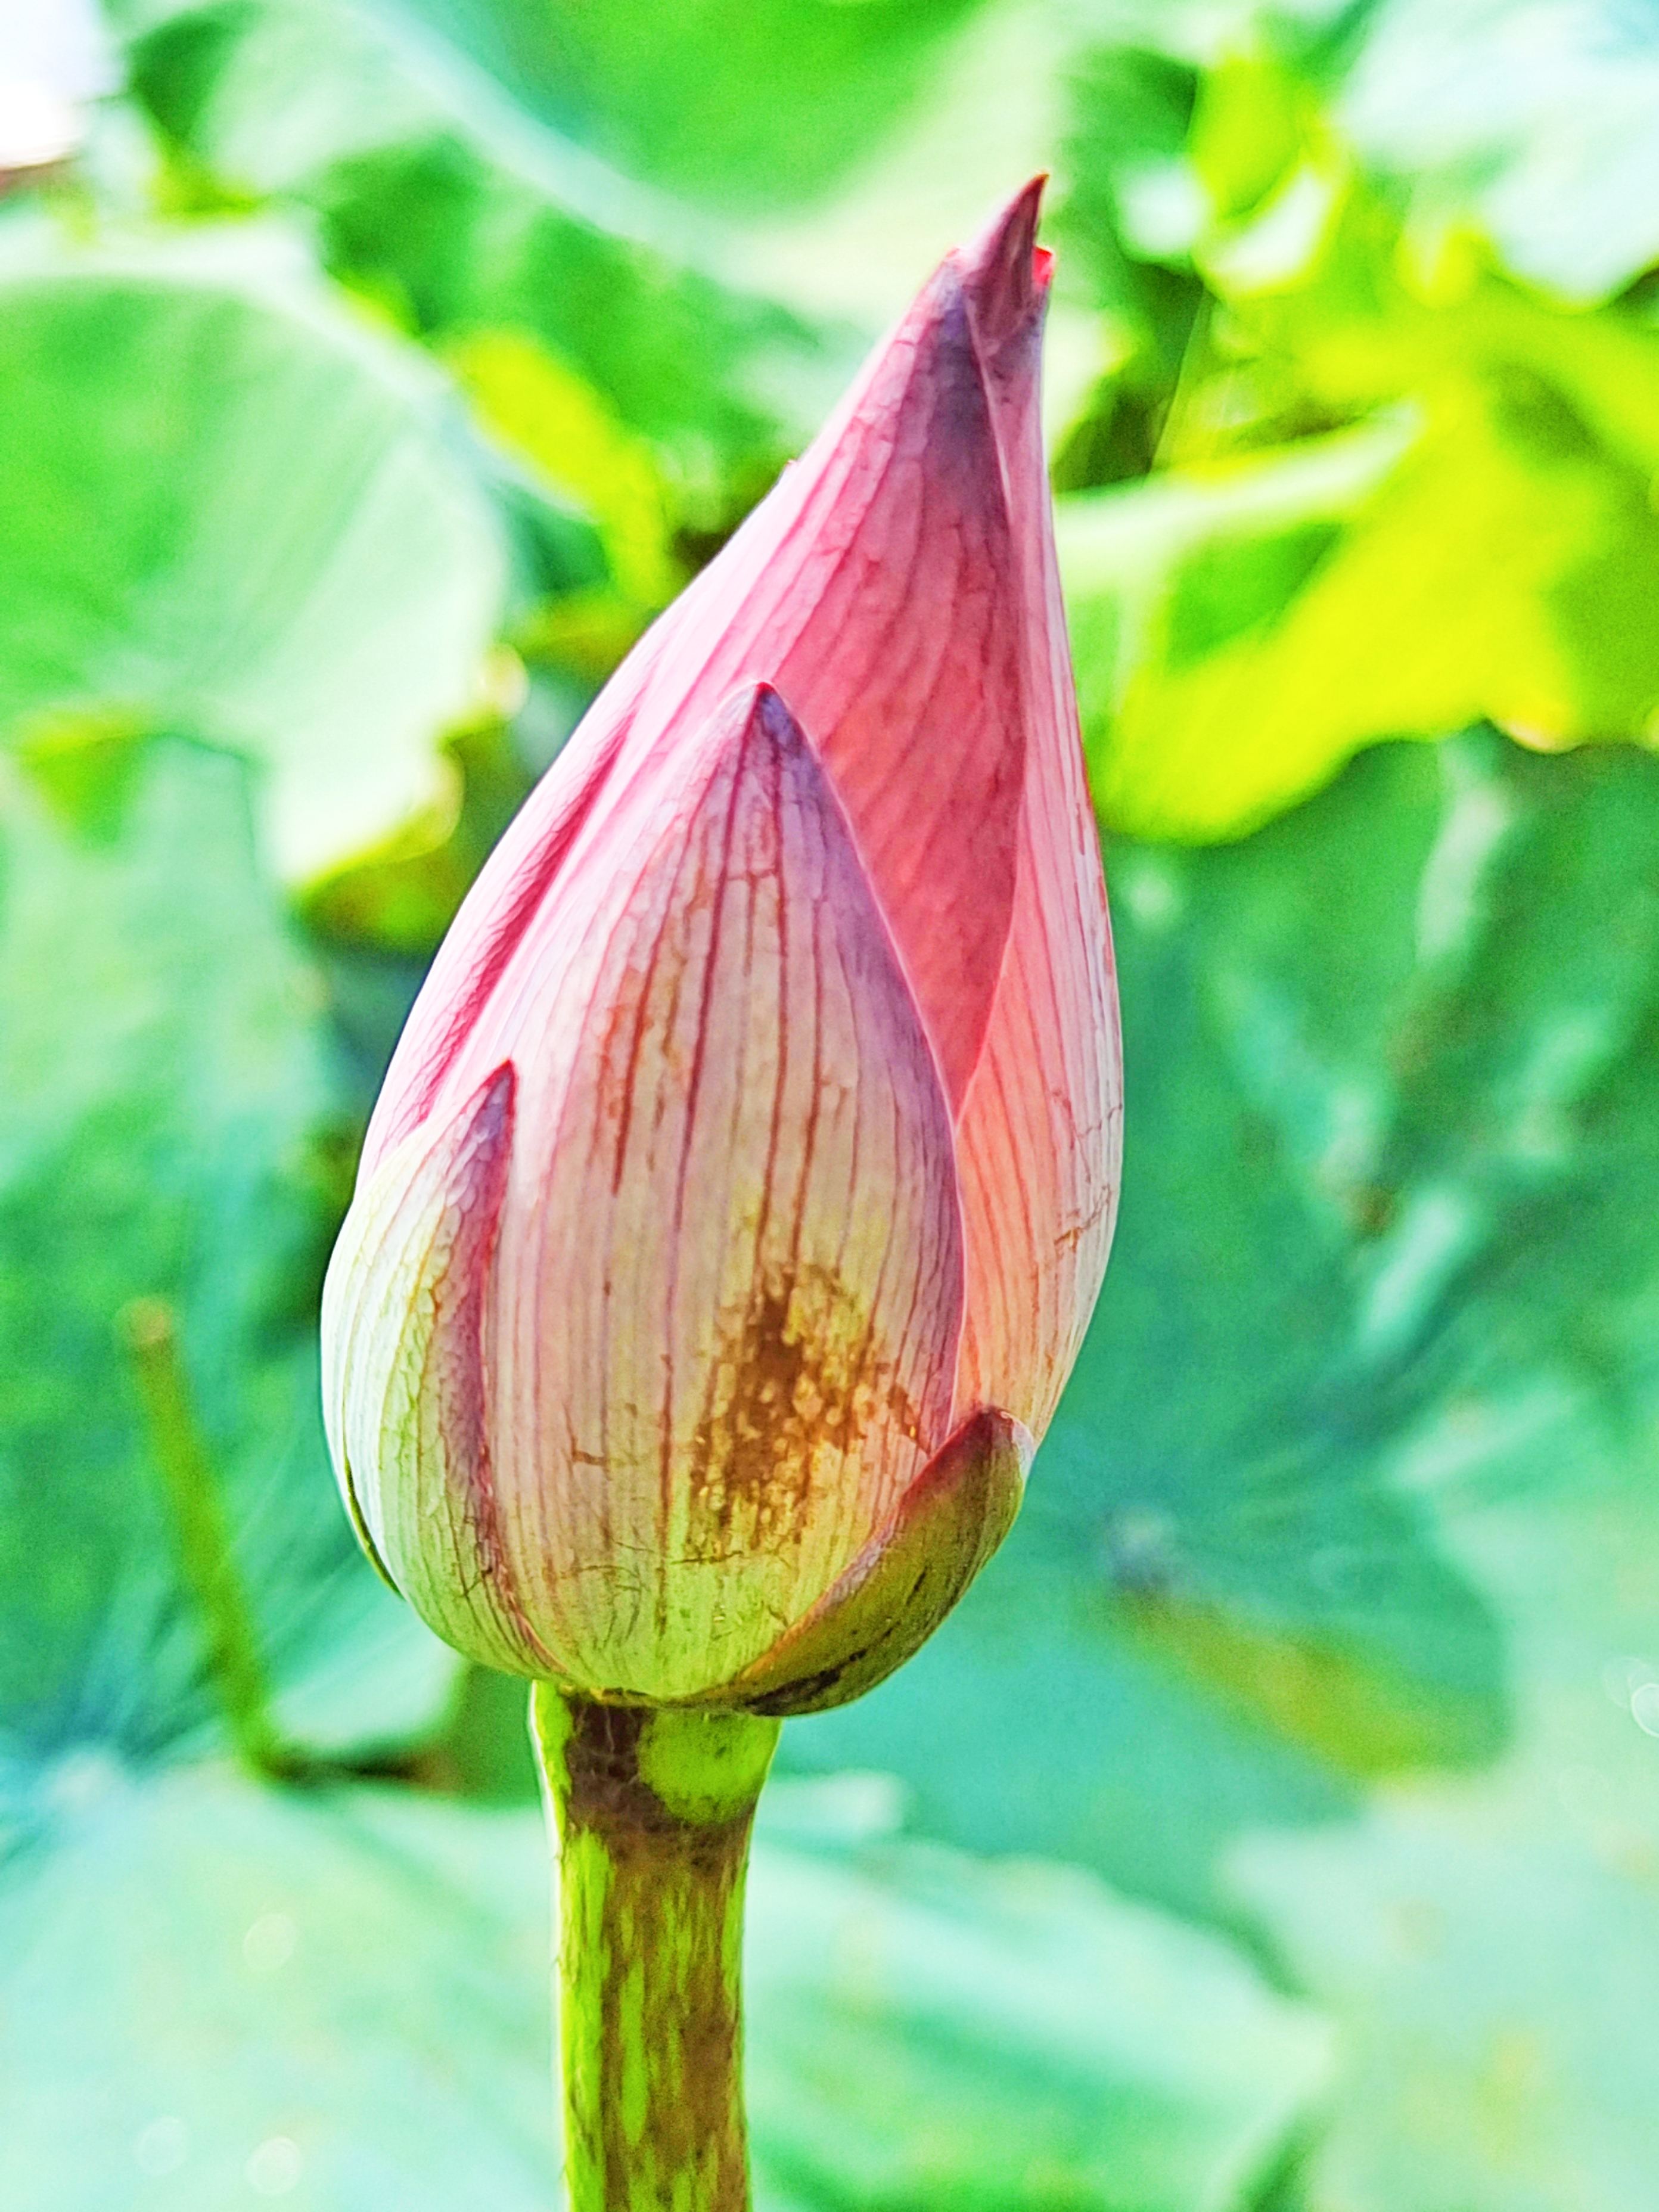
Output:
x=405 y=1391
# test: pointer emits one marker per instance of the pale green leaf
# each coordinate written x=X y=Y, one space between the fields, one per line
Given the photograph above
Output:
x=444 y=192
x=347 y=1992
x=230 y=505
x=1536 y=123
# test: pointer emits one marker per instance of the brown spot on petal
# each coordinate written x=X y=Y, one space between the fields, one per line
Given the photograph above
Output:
x=794 y=1386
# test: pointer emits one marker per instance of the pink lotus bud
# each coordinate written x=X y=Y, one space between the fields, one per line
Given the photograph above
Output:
x=743 y=1182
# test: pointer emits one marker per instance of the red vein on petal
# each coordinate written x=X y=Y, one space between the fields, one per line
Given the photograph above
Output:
x=738 y=715
x=480 y=945
x=454 y=1370
x=802 y=1316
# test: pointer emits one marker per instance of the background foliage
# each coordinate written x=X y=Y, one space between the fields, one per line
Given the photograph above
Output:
x=1275 y=1828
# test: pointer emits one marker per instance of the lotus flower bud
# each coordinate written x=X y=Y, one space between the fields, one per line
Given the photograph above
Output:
x=742 y=1182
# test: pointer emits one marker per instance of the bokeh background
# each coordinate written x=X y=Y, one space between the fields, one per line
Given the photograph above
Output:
x=1275 y=1828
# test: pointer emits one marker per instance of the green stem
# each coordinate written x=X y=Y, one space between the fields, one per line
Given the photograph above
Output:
x=150 y=1330
x=652 y=1811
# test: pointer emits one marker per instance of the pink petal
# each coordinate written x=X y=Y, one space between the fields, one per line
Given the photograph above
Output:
x=483 y=936
x=900 y=584
x=879 y=587
x=728 y=1292
x=1040 y=1131
x=907 y=669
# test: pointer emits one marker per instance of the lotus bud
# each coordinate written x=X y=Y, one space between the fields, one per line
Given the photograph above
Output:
x=742 y=1184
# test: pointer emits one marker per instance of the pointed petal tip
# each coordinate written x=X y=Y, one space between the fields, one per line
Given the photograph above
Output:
x=1005 y=276
x=760 y=705
x=756 y=716
x=993 y=1431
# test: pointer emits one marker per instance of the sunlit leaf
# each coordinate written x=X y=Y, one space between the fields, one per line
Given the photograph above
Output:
x=1485 y=546
x=564 y=430
x=401 y=896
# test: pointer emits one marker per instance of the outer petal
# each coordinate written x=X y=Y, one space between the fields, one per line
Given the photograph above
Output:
x=886 y=1605
x=906 y=667
x=727 y=1292
x=1020 y=998
x=1040 y=1131
x=405 y=1386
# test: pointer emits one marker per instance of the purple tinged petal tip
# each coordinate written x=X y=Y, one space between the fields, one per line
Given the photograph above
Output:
x=1005 y=276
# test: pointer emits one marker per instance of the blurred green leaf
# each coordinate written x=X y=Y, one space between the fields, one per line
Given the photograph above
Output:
x=168 y=1132
x=1183 y=582
x=1130 y=114
x=349 y=1988
x=447 y=197
x=228 y=505
x=929 y=2030
x=1529 y=123
x=737 y=103
x=1247 y=133
x=563 y=431
x=1492 y=1948
x=990 y=115
x=1357 y=1464
x=1507 y=566
x=1495 y=1979
x=401 y=896
x=1127 y=196
x=339 y=1996
x=572 y=442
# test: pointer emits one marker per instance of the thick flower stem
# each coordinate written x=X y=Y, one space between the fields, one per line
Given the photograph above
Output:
x=652 y=1811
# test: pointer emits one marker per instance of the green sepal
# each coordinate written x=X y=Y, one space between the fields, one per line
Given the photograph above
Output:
x=892 y=1597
